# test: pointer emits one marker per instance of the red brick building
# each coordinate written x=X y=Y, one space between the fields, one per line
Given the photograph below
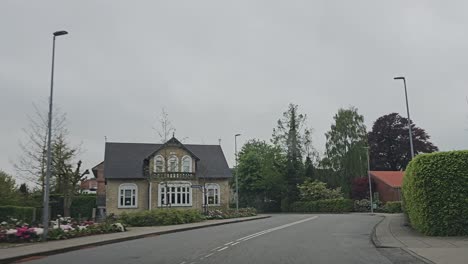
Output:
x=388 y=184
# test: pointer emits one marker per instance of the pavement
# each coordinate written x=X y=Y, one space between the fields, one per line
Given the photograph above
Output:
x=35 y=250
x=393 y=232
x=280 y=239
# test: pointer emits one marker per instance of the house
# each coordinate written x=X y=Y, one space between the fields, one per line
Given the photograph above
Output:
x=388 y=184
x=98 y=172
x=88 y=186
x=149 y=176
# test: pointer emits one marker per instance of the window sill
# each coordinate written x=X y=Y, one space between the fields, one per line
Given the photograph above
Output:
x=127 y=207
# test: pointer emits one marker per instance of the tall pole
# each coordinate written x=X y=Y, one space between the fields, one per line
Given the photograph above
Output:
x=45 y=210
x=370 y=183
x=409 y=118
x=237 y=174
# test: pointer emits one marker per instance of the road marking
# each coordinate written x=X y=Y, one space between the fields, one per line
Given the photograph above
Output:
x=274 y=229
x=222 y=249
x=216 y=248
x=209 y=255
x=229 y=243
x=235 y=243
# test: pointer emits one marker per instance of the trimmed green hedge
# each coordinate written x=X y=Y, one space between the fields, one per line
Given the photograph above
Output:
x=435 y=193
x=21 y=213
x=82 y=205
x=161 y=217
x=392 y=207
x=324 y=206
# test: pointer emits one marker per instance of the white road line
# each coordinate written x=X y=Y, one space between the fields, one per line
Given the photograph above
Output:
x=216 y=248
x=229 y=243
x=274 y=229
x=222 y=249
x=235 y=243
x=209 y=255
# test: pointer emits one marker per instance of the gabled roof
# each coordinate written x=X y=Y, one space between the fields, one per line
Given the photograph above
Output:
x=391 y=178
x=126 y=160
x=96 y=168
x=173 y=142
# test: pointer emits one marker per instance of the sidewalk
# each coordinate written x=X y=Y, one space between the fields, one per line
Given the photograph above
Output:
x=392 y=232
x=8 y=255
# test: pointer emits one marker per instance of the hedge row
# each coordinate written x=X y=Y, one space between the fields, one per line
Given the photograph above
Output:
x=324 y=206
x=435 y=193
x=17 y=212
x=161 y=217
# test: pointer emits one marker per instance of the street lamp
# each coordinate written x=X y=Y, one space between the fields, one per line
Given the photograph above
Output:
x=409 y=119
x=45 y=210
x=370 y=183
x=237 y=174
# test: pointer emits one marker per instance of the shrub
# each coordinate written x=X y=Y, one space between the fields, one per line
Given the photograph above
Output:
x=362 y=205
x=161 y=217
x=392 y=207
x=230 y=213
x=360 y=188
x=317 y=190
x=82 y=206
x=323 y=206
x=435 y=193
x=16 y=212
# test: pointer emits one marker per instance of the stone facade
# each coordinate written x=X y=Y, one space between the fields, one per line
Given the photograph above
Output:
x=112 y=190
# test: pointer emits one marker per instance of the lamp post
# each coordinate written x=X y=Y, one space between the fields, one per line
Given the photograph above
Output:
x=409 y=119
x=45 y=211
x=237 y=174
x=370 y=183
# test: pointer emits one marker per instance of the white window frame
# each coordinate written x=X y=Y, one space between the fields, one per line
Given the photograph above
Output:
x=217 y=192
x=156 y=158
x=169 y=169
x=178 y=191
x=133 y=192
x=184 y=158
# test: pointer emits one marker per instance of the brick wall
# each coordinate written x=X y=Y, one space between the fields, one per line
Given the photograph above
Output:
x=386 y=192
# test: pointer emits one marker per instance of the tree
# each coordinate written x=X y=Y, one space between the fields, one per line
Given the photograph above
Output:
x=32 y=162
x=292 y=137
x=8 y=193
x=389 y=143
x=345 y=147
x=260 y=172
x=309 y=170
x=66 y=179
x=360 y=188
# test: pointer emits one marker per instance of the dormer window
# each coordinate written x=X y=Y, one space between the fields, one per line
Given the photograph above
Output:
x=159 y=164
x=173 y=164
x=186 y=164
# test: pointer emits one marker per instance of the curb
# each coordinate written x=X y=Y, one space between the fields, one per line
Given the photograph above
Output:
x=378 y=244
x=117 y=240
x=373 y=236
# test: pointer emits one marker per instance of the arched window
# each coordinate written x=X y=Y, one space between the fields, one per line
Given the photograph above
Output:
x=186 y=164
x=173 y=164
x=212 y=196
x=175 y=193
x=158 y=163
x=128 y=195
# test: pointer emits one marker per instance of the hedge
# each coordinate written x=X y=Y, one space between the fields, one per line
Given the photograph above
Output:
x=161 y=217
x=17 y=212
x=324 y=206
x=83 y=205
x=435 y=193
x=392 y=207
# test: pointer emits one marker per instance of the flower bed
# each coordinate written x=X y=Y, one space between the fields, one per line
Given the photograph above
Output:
x=230 y=213
x=14 y=231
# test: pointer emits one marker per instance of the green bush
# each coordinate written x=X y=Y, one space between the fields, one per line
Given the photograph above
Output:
x=83 y=205
x=392 y=207
x=324 y=206
x=16 y=212
x=161 y=217
x=222 y=213
x=435 y=193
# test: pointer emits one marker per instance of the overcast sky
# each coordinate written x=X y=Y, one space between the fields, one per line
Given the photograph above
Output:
x=226 y=67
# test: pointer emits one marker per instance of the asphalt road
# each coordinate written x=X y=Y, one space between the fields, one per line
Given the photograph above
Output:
x=285 y=238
